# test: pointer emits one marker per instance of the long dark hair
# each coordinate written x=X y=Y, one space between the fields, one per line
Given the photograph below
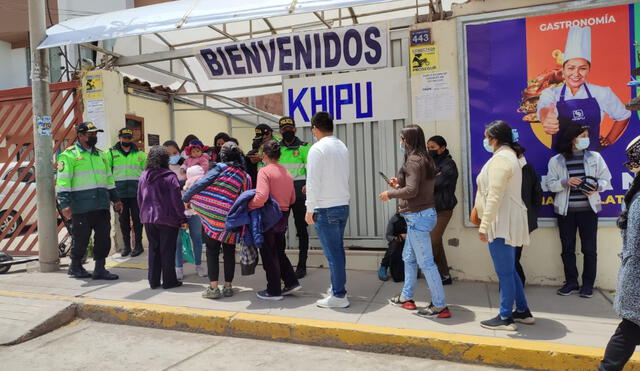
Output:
x=158 y=158
x=565 y=144
x=187 y=141
x=502 y=132
x=415 y=144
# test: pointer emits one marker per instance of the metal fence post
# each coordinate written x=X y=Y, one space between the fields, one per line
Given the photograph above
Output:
x=47 y=236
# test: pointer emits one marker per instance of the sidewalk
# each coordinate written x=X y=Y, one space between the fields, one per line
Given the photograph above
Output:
x=570 y=321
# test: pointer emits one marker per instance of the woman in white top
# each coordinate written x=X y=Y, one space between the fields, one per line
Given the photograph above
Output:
x=503 y=221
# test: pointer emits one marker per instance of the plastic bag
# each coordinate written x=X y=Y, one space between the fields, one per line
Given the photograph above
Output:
x=187 y=248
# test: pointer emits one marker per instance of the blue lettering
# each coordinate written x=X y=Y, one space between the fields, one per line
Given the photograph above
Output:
x=224 y=60
x=369 y=112
x=212 y=62
x=234 y=57
x=329 y=61
x=330 y=95
x=340 y=101
x=373 y=44
x=303 y=51
x=296 y=104
x=284 y=52
x=252 y=57
x=318 y=102
x=352 y=60
x=316 y=43
x=270 y=55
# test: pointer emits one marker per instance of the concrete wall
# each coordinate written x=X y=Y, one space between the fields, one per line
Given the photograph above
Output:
x=14 y=67
x=470 y=260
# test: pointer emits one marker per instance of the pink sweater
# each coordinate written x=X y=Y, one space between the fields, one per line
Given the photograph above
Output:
x=203 y=161
x=276 y=181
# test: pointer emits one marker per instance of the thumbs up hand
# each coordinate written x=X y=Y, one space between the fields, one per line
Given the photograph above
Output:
x=549 y=119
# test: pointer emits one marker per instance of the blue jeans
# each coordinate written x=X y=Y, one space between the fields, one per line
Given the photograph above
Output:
x=511 y=289
x=330 y=224
x=418 y=252
x=195 y=231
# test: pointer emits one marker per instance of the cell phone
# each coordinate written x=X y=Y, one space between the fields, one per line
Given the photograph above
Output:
x=386 y=179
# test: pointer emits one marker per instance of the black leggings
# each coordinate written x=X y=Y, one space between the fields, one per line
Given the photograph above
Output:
x=621 y=346
x=213 y=259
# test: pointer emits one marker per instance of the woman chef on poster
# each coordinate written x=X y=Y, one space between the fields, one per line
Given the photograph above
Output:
x=578 y=102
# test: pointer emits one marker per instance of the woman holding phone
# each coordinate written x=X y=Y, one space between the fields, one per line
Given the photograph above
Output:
x=414 y=187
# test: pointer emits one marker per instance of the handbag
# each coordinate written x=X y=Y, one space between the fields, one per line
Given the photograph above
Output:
x=187 y=248
x=474 y=218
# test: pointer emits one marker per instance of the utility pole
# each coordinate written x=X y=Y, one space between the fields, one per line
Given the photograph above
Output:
x=47 y=235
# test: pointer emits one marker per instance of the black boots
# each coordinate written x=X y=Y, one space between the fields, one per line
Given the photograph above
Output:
x=100 y=272
x=301 y=269
x=76 y=270
x=126 y=251
x=137 y=251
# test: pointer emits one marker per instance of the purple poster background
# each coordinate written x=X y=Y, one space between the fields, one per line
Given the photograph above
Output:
x=497 y=75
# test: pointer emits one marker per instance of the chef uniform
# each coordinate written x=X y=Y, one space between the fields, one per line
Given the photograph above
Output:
x=587 y=106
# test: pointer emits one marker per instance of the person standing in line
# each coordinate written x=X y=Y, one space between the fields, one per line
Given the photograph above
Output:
x=328 y=203
x=503 y=221
x=127 y=163
x=253 y=159
x=627 y=300
x=212 y=198
x=294 y=158
x=274 y=180
x=175 y=160
x=194 y=173
x=577 y=176
x=446 y=201
x=162 y=213
x=414 y=187
x=532 y=198
x=84 y=188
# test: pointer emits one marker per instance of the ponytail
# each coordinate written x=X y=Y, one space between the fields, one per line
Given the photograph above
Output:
x=502 y=132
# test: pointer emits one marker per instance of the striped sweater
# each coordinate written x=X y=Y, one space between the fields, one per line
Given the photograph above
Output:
x=215 y=201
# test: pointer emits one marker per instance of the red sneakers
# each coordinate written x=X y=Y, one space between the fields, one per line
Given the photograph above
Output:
x=432 y=311
x=400 y=302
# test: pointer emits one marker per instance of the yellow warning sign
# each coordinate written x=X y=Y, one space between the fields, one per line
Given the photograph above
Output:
x=424 y=59
x=93 y=86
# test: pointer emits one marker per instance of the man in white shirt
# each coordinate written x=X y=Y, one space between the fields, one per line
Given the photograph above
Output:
x=328 y=202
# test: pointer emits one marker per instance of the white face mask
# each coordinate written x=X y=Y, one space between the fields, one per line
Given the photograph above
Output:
x=582 y=143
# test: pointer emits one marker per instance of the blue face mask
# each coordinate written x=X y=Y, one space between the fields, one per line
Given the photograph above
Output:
x=487 y=146
x=173 y=160
x=401 y=148
x=582 y=143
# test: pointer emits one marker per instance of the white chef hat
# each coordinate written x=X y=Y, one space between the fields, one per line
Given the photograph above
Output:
x=578 y=44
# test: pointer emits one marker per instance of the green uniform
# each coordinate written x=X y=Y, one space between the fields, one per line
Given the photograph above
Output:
x=294 y=159
x=261 y=164
x=127 y=168
x=84 y=180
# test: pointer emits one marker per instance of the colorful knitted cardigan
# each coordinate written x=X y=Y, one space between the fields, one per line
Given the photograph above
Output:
x=215 y=201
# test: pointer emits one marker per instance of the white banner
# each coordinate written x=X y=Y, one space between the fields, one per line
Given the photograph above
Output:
x=374 y=95
x=339 y=49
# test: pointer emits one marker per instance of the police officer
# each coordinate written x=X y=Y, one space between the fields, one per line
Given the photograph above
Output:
x=127 y=163
x=294 y=158
x=84 y=187
x=253 y=160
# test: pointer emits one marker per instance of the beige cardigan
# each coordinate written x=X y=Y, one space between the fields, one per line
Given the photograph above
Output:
x=499 y=199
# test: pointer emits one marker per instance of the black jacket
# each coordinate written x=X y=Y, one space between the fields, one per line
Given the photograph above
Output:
x=531 y=195
x=396 y=226
x=446 y=179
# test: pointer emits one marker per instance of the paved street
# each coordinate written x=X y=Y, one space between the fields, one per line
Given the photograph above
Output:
x=91 y=345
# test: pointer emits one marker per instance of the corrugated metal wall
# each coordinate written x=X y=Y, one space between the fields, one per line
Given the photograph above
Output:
x=373 y=147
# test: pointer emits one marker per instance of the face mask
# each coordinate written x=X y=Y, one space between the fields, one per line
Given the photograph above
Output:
x=92 y=141
x=401 y=148
x=125 y=145
x=288 y=136
x=487 y=146
x=582 y=143
x=433 y=153
x=173 y=160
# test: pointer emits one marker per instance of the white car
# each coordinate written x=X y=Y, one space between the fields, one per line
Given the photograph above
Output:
x=22 y=191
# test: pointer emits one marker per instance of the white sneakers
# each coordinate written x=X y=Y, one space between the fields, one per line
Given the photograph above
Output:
x=333 y=302
x=201 y=270
x=179 y=274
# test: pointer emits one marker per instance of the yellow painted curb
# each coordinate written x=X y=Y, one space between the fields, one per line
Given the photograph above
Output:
x=113 y=264
x=528 y=354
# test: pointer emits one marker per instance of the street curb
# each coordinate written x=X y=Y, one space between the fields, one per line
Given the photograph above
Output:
x=528 y=354
x=60 y=319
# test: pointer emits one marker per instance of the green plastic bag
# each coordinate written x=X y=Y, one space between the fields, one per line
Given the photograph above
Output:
x=187 y=249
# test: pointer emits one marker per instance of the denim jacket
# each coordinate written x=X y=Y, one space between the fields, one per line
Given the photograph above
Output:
x=558 y=175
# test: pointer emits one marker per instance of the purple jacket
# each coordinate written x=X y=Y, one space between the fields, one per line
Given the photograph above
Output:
x=160 y=199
